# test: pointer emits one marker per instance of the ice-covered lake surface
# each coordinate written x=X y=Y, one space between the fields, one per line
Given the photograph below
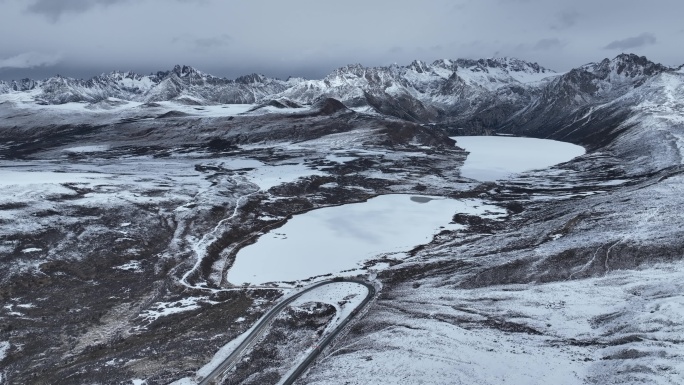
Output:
x=337 y=239
x=497 y=157
x=334 y=239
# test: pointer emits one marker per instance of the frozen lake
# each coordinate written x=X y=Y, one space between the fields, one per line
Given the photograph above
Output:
x=333 y=239
x=497 y=157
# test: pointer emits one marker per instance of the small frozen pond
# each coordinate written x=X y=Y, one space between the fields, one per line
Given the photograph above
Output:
x=498 y=157
x=333 y=239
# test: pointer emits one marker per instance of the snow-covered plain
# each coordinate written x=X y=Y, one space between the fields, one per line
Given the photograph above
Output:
x=583 y=329
x=497 y=157
x=12 y=177
x=334 y=239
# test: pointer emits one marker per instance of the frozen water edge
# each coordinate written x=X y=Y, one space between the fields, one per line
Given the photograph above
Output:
x=492 y=157
x=334 y=239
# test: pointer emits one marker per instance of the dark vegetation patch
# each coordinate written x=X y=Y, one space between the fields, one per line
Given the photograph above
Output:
x=13 y=206
x=298 y=329
x=173 y=114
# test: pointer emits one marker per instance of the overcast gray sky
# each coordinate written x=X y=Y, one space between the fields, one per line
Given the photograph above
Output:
x=310 y=38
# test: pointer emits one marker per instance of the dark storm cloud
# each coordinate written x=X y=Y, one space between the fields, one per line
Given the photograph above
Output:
x=548 y=44
x=213 y=42
x=310 y=38
x=204 y=43
x=632 y=42
x=53 y=9
x=566 y=19
x=29 y=60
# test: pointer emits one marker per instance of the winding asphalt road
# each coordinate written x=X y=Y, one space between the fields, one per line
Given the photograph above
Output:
x=216 y=375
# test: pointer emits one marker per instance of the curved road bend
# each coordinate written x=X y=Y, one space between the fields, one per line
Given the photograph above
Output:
x=266 y=321
x=321 y=346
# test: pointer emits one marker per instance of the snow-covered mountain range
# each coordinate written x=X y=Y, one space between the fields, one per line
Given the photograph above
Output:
x=179 y=83
x=429 y=88
x=473 y=95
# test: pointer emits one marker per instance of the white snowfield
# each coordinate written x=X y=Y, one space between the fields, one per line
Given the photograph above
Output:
x=161 y=309
x=4 y=348
x=19 y=177
x=425 y=344
x=498 y=157
x=42 y=186
x=343 y=296
x=334 y=239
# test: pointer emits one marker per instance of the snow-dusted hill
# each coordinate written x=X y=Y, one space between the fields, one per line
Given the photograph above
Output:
x=595 y=104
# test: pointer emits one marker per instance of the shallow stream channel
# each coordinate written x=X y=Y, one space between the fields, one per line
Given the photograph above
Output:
x=340 y=239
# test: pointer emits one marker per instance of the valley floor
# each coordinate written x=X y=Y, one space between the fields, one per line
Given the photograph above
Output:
x=116 y=256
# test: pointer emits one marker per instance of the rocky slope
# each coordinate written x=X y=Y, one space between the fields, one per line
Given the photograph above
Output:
x=586 y=104
x=582 y=280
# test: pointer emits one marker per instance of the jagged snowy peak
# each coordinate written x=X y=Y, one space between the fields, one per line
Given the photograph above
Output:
x=188 y=83
x=18 y=85
x=125 y=80
x=626 y=66
x=121 y=85
x=434 y=87
x=182 y=82
x=211 y=90
x=597 y=103
x=473 y=94
x=422 y=91
x=486 y=73
x=609 y=77
x=189 y=72
x=501 y=70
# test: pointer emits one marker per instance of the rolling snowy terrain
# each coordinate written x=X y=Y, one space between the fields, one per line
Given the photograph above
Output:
x=127 y=200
